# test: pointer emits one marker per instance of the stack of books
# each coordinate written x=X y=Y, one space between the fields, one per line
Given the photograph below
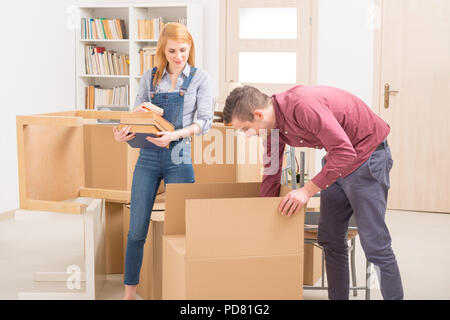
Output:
x=149 y=28
x=102 y=62
x=144 y=124
x=147 y=56
x=116 y=96
x=101 y=28
x=151 y=107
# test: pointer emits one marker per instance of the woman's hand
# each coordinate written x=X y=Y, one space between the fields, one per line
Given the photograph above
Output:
x=122 y=135
x=164 y=138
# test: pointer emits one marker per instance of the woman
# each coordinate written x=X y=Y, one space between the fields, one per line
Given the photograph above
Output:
x=183 y=91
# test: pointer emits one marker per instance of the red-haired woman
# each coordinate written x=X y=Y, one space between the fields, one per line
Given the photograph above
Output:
x=184 y=93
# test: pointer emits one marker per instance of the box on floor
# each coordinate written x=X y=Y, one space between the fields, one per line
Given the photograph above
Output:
x=222 y=241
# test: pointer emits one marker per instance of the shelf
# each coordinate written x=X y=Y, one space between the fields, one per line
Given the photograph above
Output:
x=130 y=13
x=146 y=40
x=105 y=40
x=102 y=76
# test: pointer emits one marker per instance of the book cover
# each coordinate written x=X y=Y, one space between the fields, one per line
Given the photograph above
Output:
x=105 y=25
x=118 y=28
x=112 y=28
x=101 y=30
x=123 y=29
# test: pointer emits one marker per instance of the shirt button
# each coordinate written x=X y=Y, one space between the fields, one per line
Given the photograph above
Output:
x=301 y=141
x=327 y=186
x=285 y=132
x=340 y=174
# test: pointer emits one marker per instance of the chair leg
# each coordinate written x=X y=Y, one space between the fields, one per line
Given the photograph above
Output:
x=368 y=272
x=353 y=266
x=323 y=268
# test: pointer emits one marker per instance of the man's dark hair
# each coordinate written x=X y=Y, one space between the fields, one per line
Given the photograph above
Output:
x=242 y=101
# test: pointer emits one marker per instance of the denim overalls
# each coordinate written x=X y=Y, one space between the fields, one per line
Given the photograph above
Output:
x=172 y=164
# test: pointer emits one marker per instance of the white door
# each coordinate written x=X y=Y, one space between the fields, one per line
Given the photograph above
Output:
x=414 y=54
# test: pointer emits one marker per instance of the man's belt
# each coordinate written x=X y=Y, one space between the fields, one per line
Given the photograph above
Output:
x=382 y=145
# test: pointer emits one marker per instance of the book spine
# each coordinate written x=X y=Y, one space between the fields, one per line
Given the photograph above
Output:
x=123 y=29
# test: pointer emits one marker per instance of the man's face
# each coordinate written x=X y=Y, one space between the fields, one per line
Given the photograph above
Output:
x=252 y=128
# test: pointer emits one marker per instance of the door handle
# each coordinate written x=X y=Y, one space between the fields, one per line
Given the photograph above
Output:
x=387 y=93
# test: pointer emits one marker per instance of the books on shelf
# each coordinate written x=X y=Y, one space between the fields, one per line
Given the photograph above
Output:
x=101 y=28
x=149 y=28
x=96 y=96
x=147 y=58
x=98 y=61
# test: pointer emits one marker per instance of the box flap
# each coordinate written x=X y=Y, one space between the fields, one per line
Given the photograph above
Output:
x=241 y=227
x=177 y=193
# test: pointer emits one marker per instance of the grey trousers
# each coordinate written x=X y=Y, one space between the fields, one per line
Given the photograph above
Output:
x=364 y=194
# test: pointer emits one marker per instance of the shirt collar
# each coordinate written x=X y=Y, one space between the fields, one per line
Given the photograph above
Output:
x=279 y=118
x=186 y=71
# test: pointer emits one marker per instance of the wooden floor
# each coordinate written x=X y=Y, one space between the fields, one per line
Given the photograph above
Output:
x=421 y=242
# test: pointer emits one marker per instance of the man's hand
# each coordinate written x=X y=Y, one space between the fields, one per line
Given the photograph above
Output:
x=296 y=199
x=164 y=139
x=293 y=201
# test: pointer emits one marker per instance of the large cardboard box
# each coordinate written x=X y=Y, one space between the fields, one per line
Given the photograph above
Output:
x=313 y=264
x=222 y=241
x=226 y=155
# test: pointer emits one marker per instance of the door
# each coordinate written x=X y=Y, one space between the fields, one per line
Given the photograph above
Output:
x=414 y=59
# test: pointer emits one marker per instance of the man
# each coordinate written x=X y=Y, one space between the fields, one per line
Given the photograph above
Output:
x=354 y=178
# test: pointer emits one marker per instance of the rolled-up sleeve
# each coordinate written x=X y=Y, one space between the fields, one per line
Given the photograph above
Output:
x=142 y=95
x=315 y=117
x=204 y=112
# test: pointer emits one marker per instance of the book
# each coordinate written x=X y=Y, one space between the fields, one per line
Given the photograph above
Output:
x=123 y=29
x=144 y=124
x=119 y=28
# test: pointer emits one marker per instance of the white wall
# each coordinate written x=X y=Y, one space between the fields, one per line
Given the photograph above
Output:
x=38 y=69
x=37 y=75
x=38 y=62
x=345 y=49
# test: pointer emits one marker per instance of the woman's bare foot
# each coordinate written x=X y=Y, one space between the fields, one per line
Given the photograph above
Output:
x=130 y=292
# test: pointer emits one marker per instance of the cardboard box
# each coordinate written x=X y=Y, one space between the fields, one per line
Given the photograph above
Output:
x=222 y=241
x=150 y=278
x=313 y=264
x=225 y=155
x=113 y=237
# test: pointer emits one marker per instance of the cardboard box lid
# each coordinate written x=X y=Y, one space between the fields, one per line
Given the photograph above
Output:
x=177 y=193
x=241 y=227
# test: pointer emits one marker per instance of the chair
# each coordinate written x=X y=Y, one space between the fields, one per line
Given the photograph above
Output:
x=312 y=224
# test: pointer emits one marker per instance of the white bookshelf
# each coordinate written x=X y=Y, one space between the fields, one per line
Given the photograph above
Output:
x=130 y=14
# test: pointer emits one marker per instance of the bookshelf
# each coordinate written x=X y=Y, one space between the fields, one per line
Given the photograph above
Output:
x=130 y=14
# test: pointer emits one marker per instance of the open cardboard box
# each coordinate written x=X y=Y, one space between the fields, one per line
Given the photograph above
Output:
x=222 y=241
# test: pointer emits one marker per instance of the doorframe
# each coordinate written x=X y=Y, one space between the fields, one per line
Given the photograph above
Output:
x=377 y=57
x=313 y=63
x=223 y=42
